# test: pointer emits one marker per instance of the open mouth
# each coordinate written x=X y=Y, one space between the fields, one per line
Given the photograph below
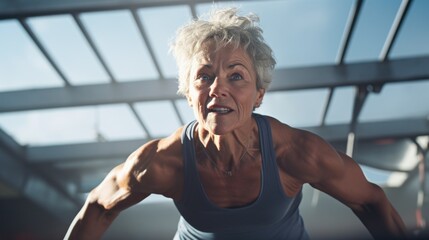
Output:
x=221 y=110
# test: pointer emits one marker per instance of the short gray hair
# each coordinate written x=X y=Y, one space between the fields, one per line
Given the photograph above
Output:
x=224 y=27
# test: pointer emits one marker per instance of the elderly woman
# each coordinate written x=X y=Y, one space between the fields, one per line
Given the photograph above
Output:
x=233 y=174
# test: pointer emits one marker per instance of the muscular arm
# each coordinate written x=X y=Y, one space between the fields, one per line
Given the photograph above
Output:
x=102 y=206
x=342 y=178
x=153 y=168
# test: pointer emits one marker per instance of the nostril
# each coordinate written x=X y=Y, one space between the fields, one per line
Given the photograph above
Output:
x=217 y=94
x=218 y=91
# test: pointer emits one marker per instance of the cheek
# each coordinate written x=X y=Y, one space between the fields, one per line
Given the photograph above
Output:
x=247 y=102
x=193 y=96
x=197 y=103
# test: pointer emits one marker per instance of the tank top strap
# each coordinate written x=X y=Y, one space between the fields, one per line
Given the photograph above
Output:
x=189 y=165
x=271 y=178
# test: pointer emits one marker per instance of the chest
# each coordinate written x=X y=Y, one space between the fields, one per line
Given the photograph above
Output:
x=244 y=186
x=240 y=189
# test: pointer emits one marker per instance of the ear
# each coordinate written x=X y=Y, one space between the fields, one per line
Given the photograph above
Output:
x=259 y=96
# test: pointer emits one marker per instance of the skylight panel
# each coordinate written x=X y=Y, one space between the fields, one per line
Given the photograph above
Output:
x=22 y=66
x=117 y=122
x=65 y=43
x=72 y=125
x=173 y=18
x=341 y=106
x=116 y=35
x=397 y=101
x=413 y=37
x=301 y=33
x=159 y=117
x=301 y=108
x=371 y=30
x=46 y=127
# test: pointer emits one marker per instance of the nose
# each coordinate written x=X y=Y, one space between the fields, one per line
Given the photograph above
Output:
x=218 y=88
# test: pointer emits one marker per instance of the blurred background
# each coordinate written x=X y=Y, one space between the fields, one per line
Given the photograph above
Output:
x=85 y=82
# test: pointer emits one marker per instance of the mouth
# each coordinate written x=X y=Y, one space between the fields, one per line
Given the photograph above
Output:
x=220 y=110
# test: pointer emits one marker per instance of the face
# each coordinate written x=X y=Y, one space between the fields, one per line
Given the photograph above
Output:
x=222 y=89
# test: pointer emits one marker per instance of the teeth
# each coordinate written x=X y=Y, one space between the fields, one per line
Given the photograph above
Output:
x=220 y=110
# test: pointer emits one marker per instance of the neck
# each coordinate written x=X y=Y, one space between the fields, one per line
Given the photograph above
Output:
x=237 y=137
x=228 y=147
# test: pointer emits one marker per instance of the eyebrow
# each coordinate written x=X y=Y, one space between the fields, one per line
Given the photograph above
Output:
x=233 y=65
x=209 y=66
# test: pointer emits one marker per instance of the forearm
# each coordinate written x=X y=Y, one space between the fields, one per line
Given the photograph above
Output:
x=382 y=221
x=90 y=223
x=104 y=203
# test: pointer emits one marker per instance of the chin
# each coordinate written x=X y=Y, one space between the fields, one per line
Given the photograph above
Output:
x=218 y=131
x=221 y=124
x=219 y=128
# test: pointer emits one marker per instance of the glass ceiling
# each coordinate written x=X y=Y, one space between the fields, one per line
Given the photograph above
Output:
x=128 y=45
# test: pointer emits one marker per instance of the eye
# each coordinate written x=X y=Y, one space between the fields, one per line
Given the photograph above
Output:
x=236 y=76
x=204 y=77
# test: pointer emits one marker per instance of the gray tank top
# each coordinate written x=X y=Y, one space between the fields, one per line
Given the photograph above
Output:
x=272 y=216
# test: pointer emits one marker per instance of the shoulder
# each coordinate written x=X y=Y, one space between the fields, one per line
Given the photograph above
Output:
x=303 y=154
x=290 y=138
x=156 y=150
x=156 y=165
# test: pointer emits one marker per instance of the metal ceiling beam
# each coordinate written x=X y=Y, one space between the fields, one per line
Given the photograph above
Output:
x=348 y=32
x=8 y=144
x=44 y=51
x=394 y=30
x=11 y=170
x=342 y=51
x=121 y=149
x=352 y=74
x=126 y=92
x=140 y=120
x=361 y=94
x=17 y=175
x=147 y=43
x=106 y=151
x=93 y=46
x=395 y=129
x=355 y=74
x=326 y=106
x=13 y=9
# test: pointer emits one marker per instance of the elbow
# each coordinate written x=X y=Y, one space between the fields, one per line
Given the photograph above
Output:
x=380 y=217
x=375 y=199
x=375 y=208
x=97 y=206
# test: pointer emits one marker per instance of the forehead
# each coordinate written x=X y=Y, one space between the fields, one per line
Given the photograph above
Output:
x=210 y=52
